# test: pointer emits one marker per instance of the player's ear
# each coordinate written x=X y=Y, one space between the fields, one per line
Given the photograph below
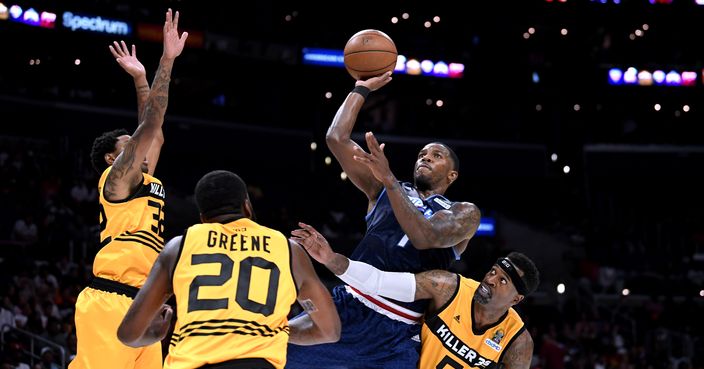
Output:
x=518 y=298
x=248 y=210
x=452 y=176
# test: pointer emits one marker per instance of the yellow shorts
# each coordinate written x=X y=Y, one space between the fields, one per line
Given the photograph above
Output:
x=98 y=314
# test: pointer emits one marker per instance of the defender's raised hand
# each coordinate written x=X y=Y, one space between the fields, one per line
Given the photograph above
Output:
x=173 y=43
x=128 y=61
x=314 y=242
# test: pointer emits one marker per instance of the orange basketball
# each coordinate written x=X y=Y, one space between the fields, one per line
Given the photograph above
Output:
x=370 y=53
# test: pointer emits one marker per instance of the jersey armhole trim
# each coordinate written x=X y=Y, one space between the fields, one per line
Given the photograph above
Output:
x=132 y=196
x=290 y=264
x=520 y=331
x=378 y=198
x=437 y=313
x=178 y=255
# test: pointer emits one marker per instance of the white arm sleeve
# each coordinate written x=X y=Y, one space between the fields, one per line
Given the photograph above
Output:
x=372 y=281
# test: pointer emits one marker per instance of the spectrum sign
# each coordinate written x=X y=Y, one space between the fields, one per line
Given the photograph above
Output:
x=83 y=22
x=633 y=76
x=335 y=58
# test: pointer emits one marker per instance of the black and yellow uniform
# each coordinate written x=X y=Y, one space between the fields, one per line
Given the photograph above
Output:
x=234 y=290
x=131 y=239
x=451 y=341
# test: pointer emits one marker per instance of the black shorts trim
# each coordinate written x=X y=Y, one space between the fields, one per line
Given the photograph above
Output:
x=249 y=363
x=107 y=285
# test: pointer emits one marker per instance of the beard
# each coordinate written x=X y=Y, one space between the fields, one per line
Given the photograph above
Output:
x=480 y=298
x=422 y=183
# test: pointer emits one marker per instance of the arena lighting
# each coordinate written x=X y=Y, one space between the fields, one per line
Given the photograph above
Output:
x=313 y=146
x=553 y=157
x=343 y=176
x=699 y=2
x=30 y=17
x=404 y=65
x=328 y=160
x=487 y=227
x=633 y=76
x=561 y=288
x=626 y=292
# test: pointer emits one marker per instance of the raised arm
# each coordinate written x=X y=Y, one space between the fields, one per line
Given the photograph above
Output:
x=445 y=228
x=343 y=147
x=129 y=62
x=322 y=324
x=520 y=353
x=148 y=318
x=126 y=173
x=435 y=285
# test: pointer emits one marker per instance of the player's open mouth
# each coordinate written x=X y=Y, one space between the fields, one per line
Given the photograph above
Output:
x=484 y=290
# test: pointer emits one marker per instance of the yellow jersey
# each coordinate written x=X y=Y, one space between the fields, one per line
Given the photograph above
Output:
x=449 y=339
x=130 y=232
x=234 y=289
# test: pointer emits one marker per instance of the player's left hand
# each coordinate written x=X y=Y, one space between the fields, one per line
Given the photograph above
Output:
x=161 y=323
x=375 y=159
x=127 y=61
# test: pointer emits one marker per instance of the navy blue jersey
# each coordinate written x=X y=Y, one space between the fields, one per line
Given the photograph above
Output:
x=387 y=247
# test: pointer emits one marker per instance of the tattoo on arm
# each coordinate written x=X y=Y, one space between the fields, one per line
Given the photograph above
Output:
x=458 y=223
x=520 y=354
x=339 y=264
x=437 y=285
x=142 y=95
x=308 y=306
x=126 y=170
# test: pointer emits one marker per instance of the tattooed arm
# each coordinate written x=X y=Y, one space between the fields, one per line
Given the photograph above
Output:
x=520 y=353
x=126 y=173
x=129 y=62
x=321 y=324
x=446 y=228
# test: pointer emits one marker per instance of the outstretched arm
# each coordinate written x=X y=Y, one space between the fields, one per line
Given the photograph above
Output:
x=129 y=62
x=322 y=323
x=445 y=228
x=148 y=318
x=520 y=353
x=343 y=147
x=126 y=173
x=436 y=285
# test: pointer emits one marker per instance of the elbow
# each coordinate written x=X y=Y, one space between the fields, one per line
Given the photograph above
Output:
x=333 y=334
x=333 y=139
x=125 y=336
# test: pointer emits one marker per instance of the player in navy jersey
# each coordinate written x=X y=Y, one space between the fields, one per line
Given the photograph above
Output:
x=411 y=227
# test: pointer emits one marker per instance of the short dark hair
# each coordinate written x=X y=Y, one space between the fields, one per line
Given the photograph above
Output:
x=455 y=159
x=220 y=192
x=531 y=275
x=104 y=144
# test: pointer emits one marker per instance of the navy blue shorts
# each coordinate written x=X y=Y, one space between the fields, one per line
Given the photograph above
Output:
x=369 y=340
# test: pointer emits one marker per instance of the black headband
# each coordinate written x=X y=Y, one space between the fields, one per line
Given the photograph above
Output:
x=510 y=269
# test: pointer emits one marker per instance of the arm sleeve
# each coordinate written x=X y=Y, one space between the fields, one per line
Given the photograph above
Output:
x=372 y=281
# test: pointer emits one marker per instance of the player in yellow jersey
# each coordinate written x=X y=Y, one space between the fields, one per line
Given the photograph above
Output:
x=131 y=222
x=468 y=324
x=234 y=281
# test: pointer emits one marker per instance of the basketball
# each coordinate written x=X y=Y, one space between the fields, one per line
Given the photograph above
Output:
x=369 y=53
